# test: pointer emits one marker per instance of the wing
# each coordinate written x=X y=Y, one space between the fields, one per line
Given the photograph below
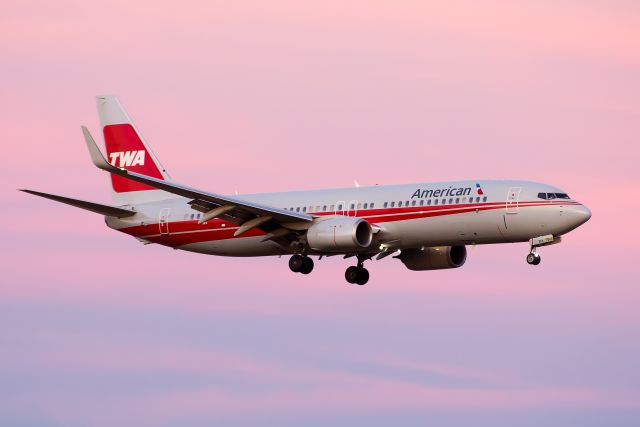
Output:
x=248 y=214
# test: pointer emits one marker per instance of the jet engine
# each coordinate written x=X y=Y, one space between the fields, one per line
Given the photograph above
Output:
x=435 y=258
x=339 y=234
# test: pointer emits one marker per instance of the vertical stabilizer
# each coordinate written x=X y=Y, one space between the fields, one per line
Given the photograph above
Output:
x=127 y=149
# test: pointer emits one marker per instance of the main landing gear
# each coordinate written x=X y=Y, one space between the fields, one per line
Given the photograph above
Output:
x=301 y=264
x=357 y=274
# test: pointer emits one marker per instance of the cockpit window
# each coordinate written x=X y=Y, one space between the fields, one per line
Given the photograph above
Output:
x=552 y=196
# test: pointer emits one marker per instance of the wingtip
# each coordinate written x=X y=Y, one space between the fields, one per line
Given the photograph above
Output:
x=97 y=157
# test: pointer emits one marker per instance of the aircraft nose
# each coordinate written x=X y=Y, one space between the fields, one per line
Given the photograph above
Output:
x=581 y=214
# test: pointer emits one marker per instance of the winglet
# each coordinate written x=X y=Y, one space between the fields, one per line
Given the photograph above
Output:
x=96 y=155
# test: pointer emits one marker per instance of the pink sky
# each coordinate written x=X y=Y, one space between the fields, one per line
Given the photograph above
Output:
x=271 y=96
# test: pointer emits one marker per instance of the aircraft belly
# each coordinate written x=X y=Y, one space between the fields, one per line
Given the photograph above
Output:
x=480 y=227
x=444 y=230
x=237 y=247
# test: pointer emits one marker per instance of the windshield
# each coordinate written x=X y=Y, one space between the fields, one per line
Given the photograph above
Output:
x=552 y=196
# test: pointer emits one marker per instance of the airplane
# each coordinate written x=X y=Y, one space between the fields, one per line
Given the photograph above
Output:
x=427 y=226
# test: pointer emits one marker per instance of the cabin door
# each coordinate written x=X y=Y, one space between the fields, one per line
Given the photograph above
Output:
x=513 y=197
x=164 y=220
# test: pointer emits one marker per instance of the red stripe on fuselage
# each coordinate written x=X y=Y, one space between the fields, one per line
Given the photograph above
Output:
x=190 y=231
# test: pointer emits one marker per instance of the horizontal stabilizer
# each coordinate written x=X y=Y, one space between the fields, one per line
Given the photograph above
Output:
x=82 y=204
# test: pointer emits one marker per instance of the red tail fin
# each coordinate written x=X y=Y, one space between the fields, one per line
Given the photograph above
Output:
x=127 y=149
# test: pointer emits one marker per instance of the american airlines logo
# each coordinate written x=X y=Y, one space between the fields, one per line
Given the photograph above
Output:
x=441 y=192
x=127 y=158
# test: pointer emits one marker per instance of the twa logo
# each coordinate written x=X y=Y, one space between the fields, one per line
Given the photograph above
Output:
x=127 y=158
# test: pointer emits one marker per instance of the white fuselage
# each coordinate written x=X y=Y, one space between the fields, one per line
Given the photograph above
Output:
x=404 y=216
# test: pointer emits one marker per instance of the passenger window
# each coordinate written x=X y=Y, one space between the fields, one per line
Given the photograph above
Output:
x=332 y=208
x=484 y=199
x=444 y=201
x=413 y=203
x=304 y=209
x=435 y=202
x=352 y=206
x=340 y=207
x=429 y=202
x=393 y=204
x=422 y=202
x=192 y=215
x=386 y=204
x=477 y=199
x=457 y=200
x=298 y=209
x=371 y=206
x=365 y=205
x=324 y=208
x=451 y=201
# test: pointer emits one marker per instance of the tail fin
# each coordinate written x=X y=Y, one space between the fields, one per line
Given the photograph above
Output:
x=126 y=148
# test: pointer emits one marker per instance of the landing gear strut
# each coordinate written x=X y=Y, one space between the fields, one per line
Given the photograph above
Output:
x=357 y=274
x=533 y=258
x=301 y=264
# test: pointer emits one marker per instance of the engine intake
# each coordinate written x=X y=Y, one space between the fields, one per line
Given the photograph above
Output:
x=435 y=258
x=340 y=233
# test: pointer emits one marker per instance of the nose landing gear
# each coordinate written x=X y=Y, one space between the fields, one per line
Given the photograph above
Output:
x=533 y=258
x=301 y=264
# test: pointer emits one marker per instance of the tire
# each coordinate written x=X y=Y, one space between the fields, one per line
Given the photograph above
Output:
x=531 y=258
x=537 y=260
x=363 y=276
x=351 y=274
x=295 y=263
x=307 y=265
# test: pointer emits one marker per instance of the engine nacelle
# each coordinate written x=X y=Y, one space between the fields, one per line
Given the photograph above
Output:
x=435 y=258
x=340 y=233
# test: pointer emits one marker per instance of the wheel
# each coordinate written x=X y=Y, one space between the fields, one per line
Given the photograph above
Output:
x=295 y=263
x=351 y=274
x=307 y=265
x=533 y=258
x=363 y=276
